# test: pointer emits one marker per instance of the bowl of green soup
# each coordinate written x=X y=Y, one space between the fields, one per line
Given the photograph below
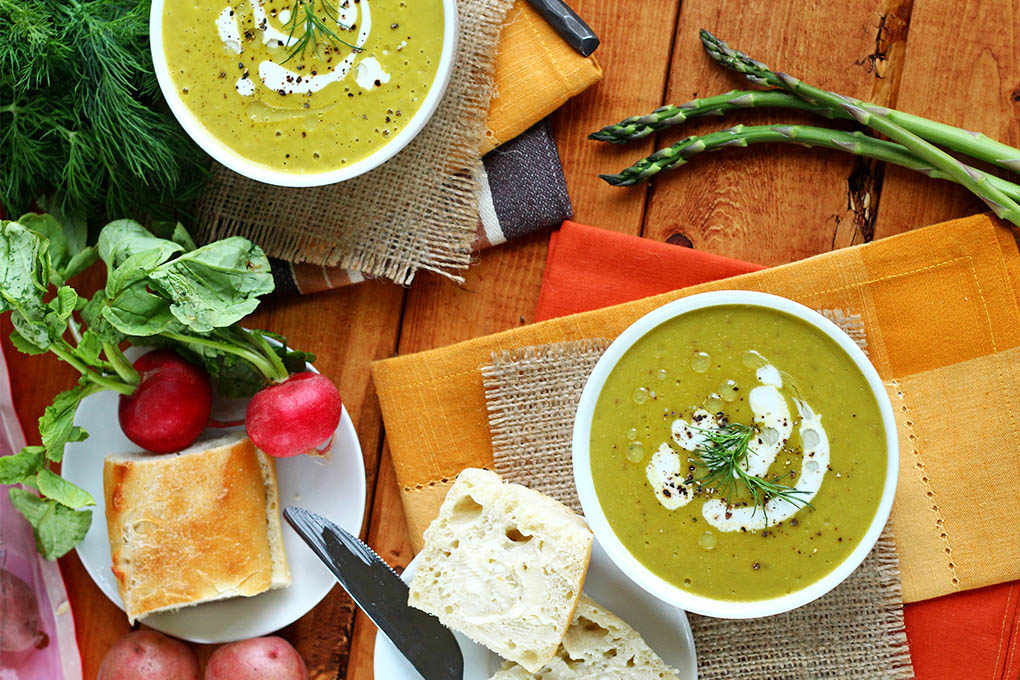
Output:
x=735 y=453
x=303 y=92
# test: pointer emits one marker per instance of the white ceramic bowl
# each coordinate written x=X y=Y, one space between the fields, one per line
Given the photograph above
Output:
x=639 y=573
x=262 y=173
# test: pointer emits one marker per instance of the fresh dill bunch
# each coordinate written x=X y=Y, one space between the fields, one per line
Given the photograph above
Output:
x=304 y=14
x=31 y=47
x=81 y=115
x=724 y=454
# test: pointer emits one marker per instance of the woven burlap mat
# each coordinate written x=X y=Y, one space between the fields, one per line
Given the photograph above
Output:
x=856 y=631
x=419 y=210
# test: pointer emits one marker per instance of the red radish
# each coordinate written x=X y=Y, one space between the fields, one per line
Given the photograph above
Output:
x=295 y=416
x=171 y=404
x=20 y=626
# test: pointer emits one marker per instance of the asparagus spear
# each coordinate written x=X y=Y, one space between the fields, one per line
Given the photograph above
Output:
x=805 y=135
x=974 y=144
x=638 y=127
x=872 y=116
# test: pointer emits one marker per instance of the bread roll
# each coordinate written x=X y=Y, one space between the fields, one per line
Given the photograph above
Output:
x=194 y=526
x=597 y=645
x=504 y=565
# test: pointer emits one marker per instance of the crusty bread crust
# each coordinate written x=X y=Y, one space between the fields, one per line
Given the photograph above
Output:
x=192 y=527
x=580 y=588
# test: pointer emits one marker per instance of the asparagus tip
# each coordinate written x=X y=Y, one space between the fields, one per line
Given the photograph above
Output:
x=617 y=180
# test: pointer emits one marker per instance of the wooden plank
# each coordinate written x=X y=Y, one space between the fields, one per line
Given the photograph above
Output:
x=864 y=186
x=363 y=320
x=962 y=67
x=776 y=203
x=500 y=292
x=502 y=289
x=636 y=43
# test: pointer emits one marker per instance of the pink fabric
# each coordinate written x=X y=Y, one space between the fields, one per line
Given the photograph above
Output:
x=60 y=658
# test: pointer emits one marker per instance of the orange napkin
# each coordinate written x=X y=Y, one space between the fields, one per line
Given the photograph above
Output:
x=590 y=268
x=975 y=634
x=536 y=73
x=939 y=306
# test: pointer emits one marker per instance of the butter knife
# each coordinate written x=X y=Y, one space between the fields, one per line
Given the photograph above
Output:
x=375 y=587
x=568 y=24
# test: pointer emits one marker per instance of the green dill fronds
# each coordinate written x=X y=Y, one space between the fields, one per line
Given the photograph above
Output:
x=314 y=28
x=81 y=115
x=724 y=454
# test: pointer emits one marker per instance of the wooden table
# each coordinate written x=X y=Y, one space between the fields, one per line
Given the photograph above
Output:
x=955 y=60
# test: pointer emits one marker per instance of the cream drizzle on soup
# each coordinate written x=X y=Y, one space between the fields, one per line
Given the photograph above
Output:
x=774 y=423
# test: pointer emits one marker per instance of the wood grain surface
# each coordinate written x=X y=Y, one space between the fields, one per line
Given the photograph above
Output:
x=954 y=60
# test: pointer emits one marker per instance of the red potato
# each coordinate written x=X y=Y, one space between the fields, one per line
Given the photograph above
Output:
x=20 y=625
x=171 y=405
x=294 y=417
x=148 y=655
x=265 y=658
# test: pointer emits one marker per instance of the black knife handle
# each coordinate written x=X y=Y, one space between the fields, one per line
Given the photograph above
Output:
x=568 y=24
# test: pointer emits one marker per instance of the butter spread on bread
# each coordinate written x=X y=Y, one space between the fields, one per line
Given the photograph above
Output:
x=195 y=526
x=504 y=565
x=597 y=645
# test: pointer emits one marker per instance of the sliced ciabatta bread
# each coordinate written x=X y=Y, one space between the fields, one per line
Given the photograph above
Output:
x=504 y=565
x=194 y=526
x=597 y=645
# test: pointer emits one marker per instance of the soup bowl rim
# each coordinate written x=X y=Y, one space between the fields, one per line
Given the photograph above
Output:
x=260 y=172
x=600 y=525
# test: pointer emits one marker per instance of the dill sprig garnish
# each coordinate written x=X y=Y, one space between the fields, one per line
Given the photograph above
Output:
x=315 y=29
x=724 y=453
x=81 y=115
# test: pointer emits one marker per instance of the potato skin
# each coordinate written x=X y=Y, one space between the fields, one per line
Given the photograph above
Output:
x=265 y=658
x=148 y=655
x=20 y=625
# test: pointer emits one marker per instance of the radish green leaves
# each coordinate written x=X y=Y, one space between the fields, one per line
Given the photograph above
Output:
x=159 y=292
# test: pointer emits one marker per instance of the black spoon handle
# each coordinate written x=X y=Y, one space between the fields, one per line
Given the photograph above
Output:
x=568 y=24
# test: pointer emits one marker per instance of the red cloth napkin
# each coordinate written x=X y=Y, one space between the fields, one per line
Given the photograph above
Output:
x=969 y=635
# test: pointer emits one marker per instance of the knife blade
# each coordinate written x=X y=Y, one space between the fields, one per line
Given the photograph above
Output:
x=378 y=591
x=568 y=24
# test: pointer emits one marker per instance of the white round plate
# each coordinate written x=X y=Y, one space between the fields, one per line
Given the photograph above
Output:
x=663 y=627
x=334 y=489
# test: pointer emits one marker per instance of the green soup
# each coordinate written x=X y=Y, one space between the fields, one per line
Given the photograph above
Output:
x=328 y=108
x=815 y=426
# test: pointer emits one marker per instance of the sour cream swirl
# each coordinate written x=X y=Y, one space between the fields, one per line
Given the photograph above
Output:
x=774 y=423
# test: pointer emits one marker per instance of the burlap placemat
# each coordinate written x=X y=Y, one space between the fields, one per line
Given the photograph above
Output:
x=856 y=631
x=419 y=210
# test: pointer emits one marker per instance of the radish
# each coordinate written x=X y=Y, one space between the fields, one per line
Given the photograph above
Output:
x=298 y=415
x=171 y=405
